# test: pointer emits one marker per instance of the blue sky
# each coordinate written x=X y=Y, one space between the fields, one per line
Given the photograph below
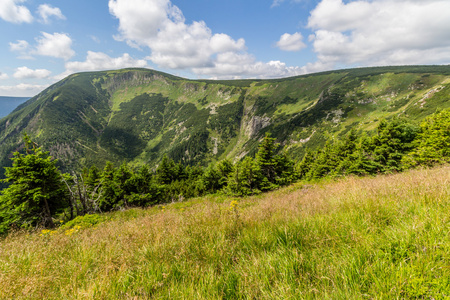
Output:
x=41 y=42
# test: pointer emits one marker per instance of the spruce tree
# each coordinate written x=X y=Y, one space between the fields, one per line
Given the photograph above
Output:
x=265 y=157
x=165 y=173
x=36 y=190
x=432 y=144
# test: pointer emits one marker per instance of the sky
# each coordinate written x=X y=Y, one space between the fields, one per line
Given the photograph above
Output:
x=41 y=42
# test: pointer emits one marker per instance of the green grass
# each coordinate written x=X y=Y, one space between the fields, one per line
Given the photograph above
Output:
x=353 y=238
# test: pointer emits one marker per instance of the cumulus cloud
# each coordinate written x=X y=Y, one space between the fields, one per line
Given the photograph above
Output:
x=11 y=11
x=236 y=65
x=3 y=76
x=20 y=46
x=139 y=23
x=55 y=45
x=46 y=11
x=161 y=26
x=21 y=90
x=291 y=42
x=174 y=44
x=381 y=32
x=27 y=73
x=98 y=61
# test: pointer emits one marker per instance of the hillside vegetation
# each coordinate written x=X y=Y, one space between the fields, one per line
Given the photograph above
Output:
x=129 y=231
x=377 y=238
x=38 y=194
x=138 y=115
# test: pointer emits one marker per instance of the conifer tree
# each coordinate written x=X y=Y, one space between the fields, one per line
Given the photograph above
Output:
x=165 y=172
x=392 y=142
x=211 y=179
x=36 y=190
x=265 y=157
x=109 y=188
x=92 y=177
x=124 y=183
x=432 y=145
x=225 y=167
x=245 y=179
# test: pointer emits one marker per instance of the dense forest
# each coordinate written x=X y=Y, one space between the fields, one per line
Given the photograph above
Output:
x=39 y=194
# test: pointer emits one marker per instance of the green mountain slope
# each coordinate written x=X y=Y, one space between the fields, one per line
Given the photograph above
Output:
x=137 y=115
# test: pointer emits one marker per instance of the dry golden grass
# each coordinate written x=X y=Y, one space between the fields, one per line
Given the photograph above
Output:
x=383 y=237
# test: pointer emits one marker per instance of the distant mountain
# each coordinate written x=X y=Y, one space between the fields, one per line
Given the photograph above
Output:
x=137 y=115
x=8 y=104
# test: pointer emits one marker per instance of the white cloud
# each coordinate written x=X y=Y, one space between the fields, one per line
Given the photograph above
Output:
x=381 y=32
x=10 y=11
x=54 y=45
x=334 y=15
x=161 y=26
x=20 y=46
x=21 y=90
x=140 y=22
x=26 y=73
x=3 y=76
x=291 y=42
x=235 y=65
x=98 y=61
x=46 y=11
x=57 y=45
x=317 y=66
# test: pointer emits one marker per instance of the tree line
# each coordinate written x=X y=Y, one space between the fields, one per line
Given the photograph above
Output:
x=38 y=193
x=396 y=145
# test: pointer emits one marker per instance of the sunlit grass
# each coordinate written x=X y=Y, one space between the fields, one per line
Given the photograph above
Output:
x=384 y=238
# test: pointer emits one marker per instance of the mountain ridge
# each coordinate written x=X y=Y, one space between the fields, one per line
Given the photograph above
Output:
x=136 y=115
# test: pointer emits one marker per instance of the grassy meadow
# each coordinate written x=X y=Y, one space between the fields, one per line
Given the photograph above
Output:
x=384 y=237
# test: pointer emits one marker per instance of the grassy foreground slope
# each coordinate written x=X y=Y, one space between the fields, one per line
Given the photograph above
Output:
x=384 y=238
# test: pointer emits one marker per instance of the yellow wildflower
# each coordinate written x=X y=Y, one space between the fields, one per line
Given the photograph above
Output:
x=233 y=204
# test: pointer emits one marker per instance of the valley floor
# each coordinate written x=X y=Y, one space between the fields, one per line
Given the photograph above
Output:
x=384 y=237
